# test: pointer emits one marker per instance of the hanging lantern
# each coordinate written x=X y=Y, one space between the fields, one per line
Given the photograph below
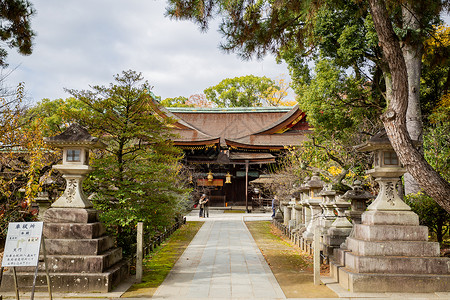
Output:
x=210 y=177
x=228 y=178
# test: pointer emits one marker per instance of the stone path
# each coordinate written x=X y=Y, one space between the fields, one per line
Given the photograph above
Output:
x=222 y=262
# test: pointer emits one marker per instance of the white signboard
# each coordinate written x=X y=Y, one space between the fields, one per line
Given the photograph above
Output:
x=23 y=243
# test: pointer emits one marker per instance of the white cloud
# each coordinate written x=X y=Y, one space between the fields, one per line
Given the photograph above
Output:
x=82 y=43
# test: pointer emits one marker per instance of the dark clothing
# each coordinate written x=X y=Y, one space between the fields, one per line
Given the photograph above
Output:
x=206 y=208
x=274 y=206
x=203 y=205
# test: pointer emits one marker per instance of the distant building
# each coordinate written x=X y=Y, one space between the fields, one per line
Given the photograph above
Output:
x=239 y=143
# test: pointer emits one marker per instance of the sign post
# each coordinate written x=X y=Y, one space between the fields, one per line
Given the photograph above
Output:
x=22 y=247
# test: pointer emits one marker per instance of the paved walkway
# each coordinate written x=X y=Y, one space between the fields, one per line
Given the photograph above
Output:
x=222 y=262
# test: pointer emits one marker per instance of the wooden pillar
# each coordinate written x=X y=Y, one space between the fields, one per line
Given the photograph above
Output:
x=246 y=186
x=139 y=251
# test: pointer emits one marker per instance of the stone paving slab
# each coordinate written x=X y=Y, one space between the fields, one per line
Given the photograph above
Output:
x=223 y=262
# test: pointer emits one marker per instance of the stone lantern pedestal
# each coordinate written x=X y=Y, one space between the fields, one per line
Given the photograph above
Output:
x=389 y=251
x=286 y=212
x=328 y=216
x=334 y=228
x=305 y=212
x=315 y=185
x=81 y=257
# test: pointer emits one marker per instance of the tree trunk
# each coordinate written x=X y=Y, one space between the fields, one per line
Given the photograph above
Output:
x=439 y=229
x=412 y=52
x=394 y=119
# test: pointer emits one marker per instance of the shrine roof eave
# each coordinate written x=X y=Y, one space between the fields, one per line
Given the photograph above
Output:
x=235 y=144
x=214 y=141
x=237 y=158
x=234 y=162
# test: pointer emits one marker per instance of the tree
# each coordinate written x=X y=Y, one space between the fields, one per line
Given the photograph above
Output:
x=394 y=118
x=256 y=29
x=435 y=70
x=57 y=115
x=278 y=93
x=242 y=91
x=196 y=100
x=25 y=162
x=135 y=179
x=179 y=101
x=15 y=29
x=245 y=91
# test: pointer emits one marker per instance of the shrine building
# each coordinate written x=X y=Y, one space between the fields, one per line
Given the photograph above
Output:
x=226 y=148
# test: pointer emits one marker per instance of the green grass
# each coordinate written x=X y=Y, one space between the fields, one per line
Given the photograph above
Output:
x=231 y=211
x=159 y=263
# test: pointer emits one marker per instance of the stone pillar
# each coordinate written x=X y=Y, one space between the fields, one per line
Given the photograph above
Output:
x=389 y=251
x=292 y=204
x=43 y=202
x=286 y=212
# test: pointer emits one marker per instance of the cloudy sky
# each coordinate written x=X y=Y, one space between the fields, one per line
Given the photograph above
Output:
x=82 y=43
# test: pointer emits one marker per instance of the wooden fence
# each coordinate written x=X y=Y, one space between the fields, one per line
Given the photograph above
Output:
x=144 y=248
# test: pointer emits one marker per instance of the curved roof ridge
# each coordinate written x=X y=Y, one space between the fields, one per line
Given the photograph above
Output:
x=164 y=112
x=256 y=109
x=293 y=114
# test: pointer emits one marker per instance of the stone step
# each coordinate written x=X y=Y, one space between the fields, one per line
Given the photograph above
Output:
x=397 y=264
x=68 y=282
x=389 y=217
x=70 y=215
x=78 y=246
x=339 y=256
x=334 y=240
x=73 y=230
x=79 y=263
x=390 y=233
x=396 y=283
x=393 y=248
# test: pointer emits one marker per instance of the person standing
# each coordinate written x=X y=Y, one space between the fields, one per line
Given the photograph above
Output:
x=274 y=205
x=206 y=207
x=201 y=205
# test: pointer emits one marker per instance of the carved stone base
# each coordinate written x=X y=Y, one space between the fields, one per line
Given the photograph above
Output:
x=81 y=257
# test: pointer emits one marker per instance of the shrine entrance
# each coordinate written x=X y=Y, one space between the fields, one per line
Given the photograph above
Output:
x=226 y=148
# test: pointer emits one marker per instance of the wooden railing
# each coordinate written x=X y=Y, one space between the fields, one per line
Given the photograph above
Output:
x=144 y=248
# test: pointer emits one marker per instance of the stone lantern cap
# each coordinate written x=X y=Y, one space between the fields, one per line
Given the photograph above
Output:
x=303 y=186
x=357 y=193
x=315 y=181
x=379 y=141
x=74 y=135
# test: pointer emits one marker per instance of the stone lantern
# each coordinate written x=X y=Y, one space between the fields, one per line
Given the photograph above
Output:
x=75 y=143
x=304 y=211
x=328 y=216
x=296 y=212
x=387 y=171
x=314 y=200
x=82 y=257
x=358 y=198
x=389 y=250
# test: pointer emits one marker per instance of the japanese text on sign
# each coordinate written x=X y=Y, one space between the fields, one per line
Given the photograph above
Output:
x=23 y=243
